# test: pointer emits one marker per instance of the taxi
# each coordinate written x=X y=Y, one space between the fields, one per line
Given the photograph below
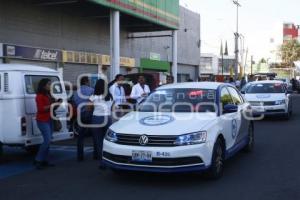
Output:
x=185 y=127
x=269 y=98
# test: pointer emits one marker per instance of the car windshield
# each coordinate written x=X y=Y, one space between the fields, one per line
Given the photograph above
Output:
x=179 y=100
x=244 y=89
x=265 y=88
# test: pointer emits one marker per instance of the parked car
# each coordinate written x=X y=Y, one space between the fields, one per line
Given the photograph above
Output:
x=181 y=128
x=18 y=85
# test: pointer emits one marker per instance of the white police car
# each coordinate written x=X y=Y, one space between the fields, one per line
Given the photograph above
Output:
x=269 y=98
x=181 y=128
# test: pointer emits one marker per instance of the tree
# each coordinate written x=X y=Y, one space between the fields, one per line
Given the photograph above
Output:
x=290 y=52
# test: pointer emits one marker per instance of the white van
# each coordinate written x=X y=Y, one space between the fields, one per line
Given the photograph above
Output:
x=18 y=127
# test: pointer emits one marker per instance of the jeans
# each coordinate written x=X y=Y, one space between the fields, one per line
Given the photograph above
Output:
x=46 y=130
x=98 y=133
x=82 y=132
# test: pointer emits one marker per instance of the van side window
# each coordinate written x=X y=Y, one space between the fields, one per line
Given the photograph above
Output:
x=32 y=81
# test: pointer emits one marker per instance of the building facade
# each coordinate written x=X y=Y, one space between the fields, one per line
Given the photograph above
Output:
x=209 y=64
x=290 y=31
x=75 y=39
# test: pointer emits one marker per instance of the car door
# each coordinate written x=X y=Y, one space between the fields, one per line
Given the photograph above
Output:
x=242 y=120
x=229 y=121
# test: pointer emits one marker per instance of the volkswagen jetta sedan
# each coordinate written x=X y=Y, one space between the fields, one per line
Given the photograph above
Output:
x=269 y=98
x=181 y=128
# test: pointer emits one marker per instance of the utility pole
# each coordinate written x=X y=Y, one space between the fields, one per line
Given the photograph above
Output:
x=236 y=2
x=251 y=65
x=245 y=62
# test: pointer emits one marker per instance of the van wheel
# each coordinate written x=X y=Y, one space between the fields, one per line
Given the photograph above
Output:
x=217 y=163
x=250 y=145
x=32 y=149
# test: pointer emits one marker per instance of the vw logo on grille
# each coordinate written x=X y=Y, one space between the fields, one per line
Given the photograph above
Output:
x=144 y=140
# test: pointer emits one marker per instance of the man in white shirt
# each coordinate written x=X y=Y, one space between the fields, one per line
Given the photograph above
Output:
x=140 y=90
x=117 y=91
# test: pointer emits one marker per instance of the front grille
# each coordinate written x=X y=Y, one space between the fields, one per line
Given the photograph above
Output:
x=269 y=103
x=255 y=103
x=155 y=161
x=263 y=103
x=275 y=111
x=153 y=141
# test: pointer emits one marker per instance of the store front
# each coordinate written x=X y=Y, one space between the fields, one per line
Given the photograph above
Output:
x=187 y=73
x=16 y=54
x=78 y=63
x=159 y=69
x=127 y=66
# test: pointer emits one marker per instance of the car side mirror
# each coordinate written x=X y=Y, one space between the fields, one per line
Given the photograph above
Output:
x=230 y=108
x=243 y=92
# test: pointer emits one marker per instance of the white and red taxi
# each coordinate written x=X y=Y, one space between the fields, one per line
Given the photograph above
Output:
x=181 y=128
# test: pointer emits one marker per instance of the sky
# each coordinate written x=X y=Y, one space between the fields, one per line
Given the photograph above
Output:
x=260 y=22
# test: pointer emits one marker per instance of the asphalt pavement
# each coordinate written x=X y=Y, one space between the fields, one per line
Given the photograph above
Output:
x=271 y=171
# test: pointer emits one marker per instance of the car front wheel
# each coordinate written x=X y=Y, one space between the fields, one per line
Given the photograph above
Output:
x=218 y=158
x=250 y=145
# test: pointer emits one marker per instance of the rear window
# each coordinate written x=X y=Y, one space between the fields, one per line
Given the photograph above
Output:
x=32 y=82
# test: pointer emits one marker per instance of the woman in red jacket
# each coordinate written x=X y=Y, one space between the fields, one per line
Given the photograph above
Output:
x=44 y=122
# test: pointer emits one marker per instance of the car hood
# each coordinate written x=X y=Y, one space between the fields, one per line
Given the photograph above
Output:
x=265 y=97
x=162 y=123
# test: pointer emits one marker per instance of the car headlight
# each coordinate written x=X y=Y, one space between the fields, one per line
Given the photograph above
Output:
x=111 y=136
x=280 y=102
x=191 y=139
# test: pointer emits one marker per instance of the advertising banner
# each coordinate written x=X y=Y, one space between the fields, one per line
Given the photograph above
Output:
x=162 y=12
x=31 y=53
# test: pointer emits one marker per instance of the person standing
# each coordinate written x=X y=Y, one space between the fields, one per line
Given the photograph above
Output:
x=81 y=99
x=44 y=122
x=140 y=90
x=170 y=79
x=117 y=91
x=101 y=119
x=231 y=81
x=243 y=82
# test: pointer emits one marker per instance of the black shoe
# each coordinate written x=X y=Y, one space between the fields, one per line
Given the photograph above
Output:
x=96 y=158
x=38 y=165
x=80 y=158
x=47 y=164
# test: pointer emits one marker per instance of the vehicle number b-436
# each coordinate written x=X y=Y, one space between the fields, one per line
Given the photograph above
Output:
x=163 y=154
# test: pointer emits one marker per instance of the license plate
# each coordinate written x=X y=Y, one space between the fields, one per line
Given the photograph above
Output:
x=259 y=109
x=142 y=156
